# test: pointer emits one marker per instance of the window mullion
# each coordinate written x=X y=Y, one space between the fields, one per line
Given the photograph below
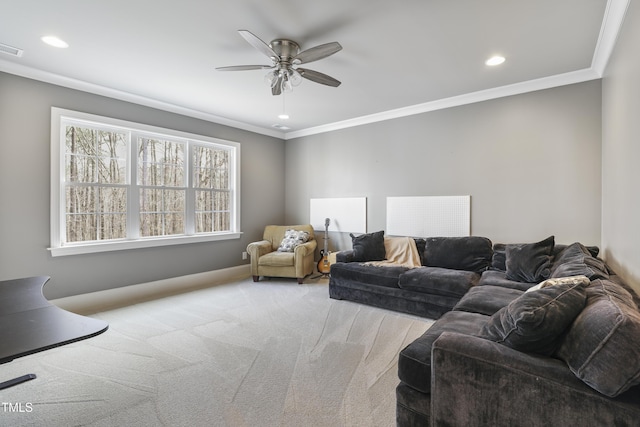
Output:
x=190 y=205
x=133 y=191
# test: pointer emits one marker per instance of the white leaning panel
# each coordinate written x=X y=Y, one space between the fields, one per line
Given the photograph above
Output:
x=346 y=214
x=429 y=216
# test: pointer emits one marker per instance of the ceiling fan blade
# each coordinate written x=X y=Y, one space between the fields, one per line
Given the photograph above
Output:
x=245 y=67
x=256 y=42
x=318 y=77
x=318 y=52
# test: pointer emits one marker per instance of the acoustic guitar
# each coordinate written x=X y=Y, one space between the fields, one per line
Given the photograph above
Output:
x=324 y=266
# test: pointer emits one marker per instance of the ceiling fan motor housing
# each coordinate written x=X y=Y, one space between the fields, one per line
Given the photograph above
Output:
x=286 y=49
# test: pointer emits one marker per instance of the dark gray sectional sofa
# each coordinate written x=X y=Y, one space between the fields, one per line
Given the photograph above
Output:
x=452 y=266
x=503 y=352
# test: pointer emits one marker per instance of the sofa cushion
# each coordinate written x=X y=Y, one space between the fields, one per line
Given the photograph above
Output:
x=499 y=278
x=601 y=346
x=414 y=361
x=575 y=260
x=369 y=274
x=368 y=247
x=529 y=262
x=472 y=253
x=487 y=299
x=438 y=281
x=535 y=321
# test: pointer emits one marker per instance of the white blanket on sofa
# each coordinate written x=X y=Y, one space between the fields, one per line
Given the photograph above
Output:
x=400 y=251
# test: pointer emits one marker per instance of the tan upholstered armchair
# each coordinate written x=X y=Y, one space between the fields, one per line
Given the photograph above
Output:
x=267 y=261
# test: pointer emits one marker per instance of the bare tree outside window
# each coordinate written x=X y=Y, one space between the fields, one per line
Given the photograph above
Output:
x=102 y=176
x=213 y=197
x=96 y=191
x=161 y=175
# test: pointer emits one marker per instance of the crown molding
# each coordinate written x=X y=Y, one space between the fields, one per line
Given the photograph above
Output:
x=611 y=24
x=454 y=101
x=71 y=83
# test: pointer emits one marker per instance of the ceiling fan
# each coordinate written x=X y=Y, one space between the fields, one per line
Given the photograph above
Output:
x=285 y=58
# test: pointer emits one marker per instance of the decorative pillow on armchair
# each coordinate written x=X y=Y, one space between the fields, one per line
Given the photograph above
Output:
x=535 y=321
x=293 y=238
x=530 y=263
x=368 y=247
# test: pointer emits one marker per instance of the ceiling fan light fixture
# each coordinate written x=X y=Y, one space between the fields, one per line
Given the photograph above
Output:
x=294 y=77
x=271 y=78
x=287 y=86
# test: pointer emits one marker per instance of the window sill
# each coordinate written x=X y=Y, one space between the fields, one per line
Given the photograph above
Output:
x=121 y=245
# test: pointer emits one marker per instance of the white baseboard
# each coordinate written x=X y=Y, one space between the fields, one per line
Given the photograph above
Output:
x=109 y=299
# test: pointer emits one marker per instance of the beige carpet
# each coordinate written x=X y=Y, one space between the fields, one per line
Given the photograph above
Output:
x=272 y=353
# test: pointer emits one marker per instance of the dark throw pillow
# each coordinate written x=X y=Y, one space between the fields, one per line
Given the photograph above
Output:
x=368 y=247
x=577 y=259
x=469 y=253
x=535 y=321
x=601 y=346
x=531 y=262
x=421 y=244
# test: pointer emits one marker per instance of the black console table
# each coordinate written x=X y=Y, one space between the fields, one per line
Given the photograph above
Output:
x=30 y=324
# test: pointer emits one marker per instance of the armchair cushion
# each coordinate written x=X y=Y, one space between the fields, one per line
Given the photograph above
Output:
x=277 y=259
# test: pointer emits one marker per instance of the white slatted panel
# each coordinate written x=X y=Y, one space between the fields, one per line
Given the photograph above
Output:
x=346 y=215
x=429 y=216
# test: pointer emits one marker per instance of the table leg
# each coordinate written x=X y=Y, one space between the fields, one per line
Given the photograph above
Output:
x=16 y=381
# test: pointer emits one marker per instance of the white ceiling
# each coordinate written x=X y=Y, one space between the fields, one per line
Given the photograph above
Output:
x=398 y=57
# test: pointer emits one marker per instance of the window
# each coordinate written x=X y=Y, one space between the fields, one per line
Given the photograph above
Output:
x=121 y=185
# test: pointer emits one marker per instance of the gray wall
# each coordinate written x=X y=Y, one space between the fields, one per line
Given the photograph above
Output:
x=25 y=182
x=531 y=163
x=621 y=152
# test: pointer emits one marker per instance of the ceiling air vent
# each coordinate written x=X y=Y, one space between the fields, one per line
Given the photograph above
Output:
x=10 y=50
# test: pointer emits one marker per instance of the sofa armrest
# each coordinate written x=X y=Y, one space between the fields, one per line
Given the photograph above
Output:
x=479 y=382
x=345 y=256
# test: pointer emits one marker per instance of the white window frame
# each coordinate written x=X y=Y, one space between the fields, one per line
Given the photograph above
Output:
x=58 y=225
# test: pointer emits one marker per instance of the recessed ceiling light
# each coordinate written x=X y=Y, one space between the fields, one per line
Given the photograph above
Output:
x=283 y=116
x=280 y=127
x=495 y=60
x=55 y=41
